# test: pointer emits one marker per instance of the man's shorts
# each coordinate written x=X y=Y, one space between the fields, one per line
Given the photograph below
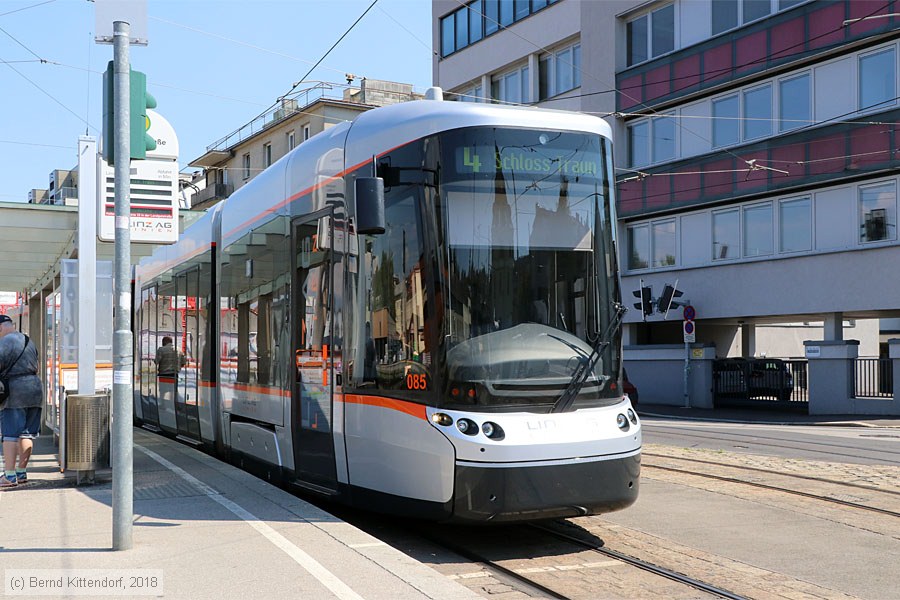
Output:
x=18 y=423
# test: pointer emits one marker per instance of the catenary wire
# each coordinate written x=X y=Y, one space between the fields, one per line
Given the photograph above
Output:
x=750 y=165
x=301 y=80
x=26 y=8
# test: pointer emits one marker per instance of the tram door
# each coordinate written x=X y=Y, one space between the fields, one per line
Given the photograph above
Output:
x=187 y=416
x=312 y=400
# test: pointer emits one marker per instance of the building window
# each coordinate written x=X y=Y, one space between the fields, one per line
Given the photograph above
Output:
x=724 y=15
x=656 y=240
x=726 y=121
x=305 y=132
x=877 y=79
x=511 y=87
x=491 y=16
x=878 y=212
x=639 y=247
x=663 y=138
x=246 y=169
x=506 y=12
x=755 y=9
x=267 y=155
x=758 y=230
x=482 y=18
x=795 y=225
x=664 y=243
x=650 y=35
x=291 y=141
x=560 y=72
x=758 y=112
x=639 y=144
x=794 y=100
x=728 y=14
x=726 y=234
x=472 y=94
x=476 y=21
x=462 y=27
x=448 y=41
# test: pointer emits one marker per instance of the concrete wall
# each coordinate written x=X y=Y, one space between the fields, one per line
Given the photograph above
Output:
x=654 y=370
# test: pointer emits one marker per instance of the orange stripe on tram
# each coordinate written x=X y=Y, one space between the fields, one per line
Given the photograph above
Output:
x=410 y=408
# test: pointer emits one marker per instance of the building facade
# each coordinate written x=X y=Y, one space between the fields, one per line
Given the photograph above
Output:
x=231 y=162
x=755 y=148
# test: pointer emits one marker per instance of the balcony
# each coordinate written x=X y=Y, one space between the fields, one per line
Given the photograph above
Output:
x=211 y=194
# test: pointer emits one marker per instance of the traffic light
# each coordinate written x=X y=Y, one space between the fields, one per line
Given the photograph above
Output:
x=139 y=122
x=646 y=303
x=667 y=298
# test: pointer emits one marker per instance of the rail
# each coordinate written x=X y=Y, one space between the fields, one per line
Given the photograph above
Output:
x=873 y=378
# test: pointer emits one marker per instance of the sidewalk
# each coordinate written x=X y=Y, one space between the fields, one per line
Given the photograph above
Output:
x=203 y=529
x=735 y=415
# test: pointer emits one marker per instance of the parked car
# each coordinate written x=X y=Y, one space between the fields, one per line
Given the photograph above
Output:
x=770 y=377
x=753 y=378
x=629 y=388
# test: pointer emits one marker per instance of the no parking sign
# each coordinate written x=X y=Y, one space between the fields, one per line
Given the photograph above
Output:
x=688 y=328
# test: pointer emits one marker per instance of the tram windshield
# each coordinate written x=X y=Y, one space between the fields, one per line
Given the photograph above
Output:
x=529 y=268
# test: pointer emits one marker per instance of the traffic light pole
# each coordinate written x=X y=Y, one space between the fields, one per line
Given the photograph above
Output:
x=123 y=408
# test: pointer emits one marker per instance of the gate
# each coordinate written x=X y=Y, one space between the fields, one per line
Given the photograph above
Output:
x=767 y=383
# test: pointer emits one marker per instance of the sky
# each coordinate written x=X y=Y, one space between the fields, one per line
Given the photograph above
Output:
x=211 y=65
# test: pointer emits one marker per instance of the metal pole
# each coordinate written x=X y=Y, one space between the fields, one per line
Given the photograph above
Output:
x=123 y=409
x=687 y=369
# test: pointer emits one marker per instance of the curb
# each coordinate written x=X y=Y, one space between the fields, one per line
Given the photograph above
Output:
x=780 y=423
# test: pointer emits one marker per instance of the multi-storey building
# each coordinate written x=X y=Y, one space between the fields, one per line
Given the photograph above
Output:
x=232 y=161
x=756 y=150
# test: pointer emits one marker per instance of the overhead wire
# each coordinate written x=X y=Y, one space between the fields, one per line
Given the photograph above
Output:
x=586 y=73
x=751 y=165
x=404 y=28
x=317 y=63
x=26 y=8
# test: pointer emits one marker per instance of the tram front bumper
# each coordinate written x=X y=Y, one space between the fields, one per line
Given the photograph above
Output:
x=505 y=493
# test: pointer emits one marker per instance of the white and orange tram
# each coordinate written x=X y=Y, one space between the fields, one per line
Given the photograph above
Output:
x=415 y=312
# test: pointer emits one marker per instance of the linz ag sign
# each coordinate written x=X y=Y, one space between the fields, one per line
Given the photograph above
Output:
x=154 y=202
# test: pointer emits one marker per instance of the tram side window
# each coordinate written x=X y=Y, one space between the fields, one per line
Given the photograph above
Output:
x=254 y=307
x=396 y=350
x=147 y=341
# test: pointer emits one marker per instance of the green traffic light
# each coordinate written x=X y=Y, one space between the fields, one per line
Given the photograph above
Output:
x=139 y=101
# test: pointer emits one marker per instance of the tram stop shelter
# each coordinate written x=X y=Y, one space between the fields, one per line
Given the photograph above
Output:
x=36 y=243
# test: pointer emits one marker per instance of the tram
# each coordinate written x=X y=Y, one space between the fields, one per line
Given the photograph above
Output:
x=417 y=312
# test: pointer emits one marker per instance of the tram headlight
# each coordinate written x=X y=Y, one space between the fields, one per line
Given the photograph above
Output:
x=467 y=426
x=442 y=419
x=492 y=430
x=622 y=422
x=632 y=417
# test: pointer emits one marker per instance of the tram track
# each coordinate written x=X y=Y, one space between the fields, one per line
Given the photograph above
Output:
x=770 y=486
x=641 y=564
x=841 y=451
x=529 y=584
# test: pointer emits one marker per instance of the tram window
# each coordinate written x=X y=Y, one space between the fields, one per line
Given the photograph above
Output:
x=395 y=347
x=254 y=328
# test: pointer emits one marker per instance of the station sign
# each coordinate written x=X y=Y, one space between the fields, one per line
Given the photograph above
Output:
x=154 y=190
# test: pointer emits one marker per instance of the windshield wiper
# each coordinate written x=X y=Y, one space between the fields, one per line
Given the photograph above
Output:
x=586 y=364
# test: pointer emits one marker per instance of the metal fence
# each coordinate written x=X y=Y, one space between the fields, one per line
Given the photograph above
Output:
x=873 y=378
x=761 y=382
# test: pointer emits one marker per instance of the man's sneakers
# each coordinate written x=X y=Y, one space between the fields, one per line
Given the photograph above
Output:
x=21 y=476
x=8 y=481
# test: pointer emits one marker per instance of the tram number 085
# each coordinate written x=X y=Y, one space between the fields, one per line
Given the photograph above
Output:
x=416 y=381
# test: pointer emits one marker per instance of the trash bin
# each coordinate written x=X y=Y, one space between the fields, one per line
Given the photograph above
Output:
x=87 y=431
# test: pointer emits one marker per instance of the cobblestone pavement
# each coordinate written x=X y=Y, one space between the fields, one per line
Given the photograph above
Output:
x=588 y=575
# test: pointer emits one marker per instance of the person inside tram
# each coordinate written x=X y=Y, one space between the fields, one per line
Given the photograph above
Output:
x=169 y=361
